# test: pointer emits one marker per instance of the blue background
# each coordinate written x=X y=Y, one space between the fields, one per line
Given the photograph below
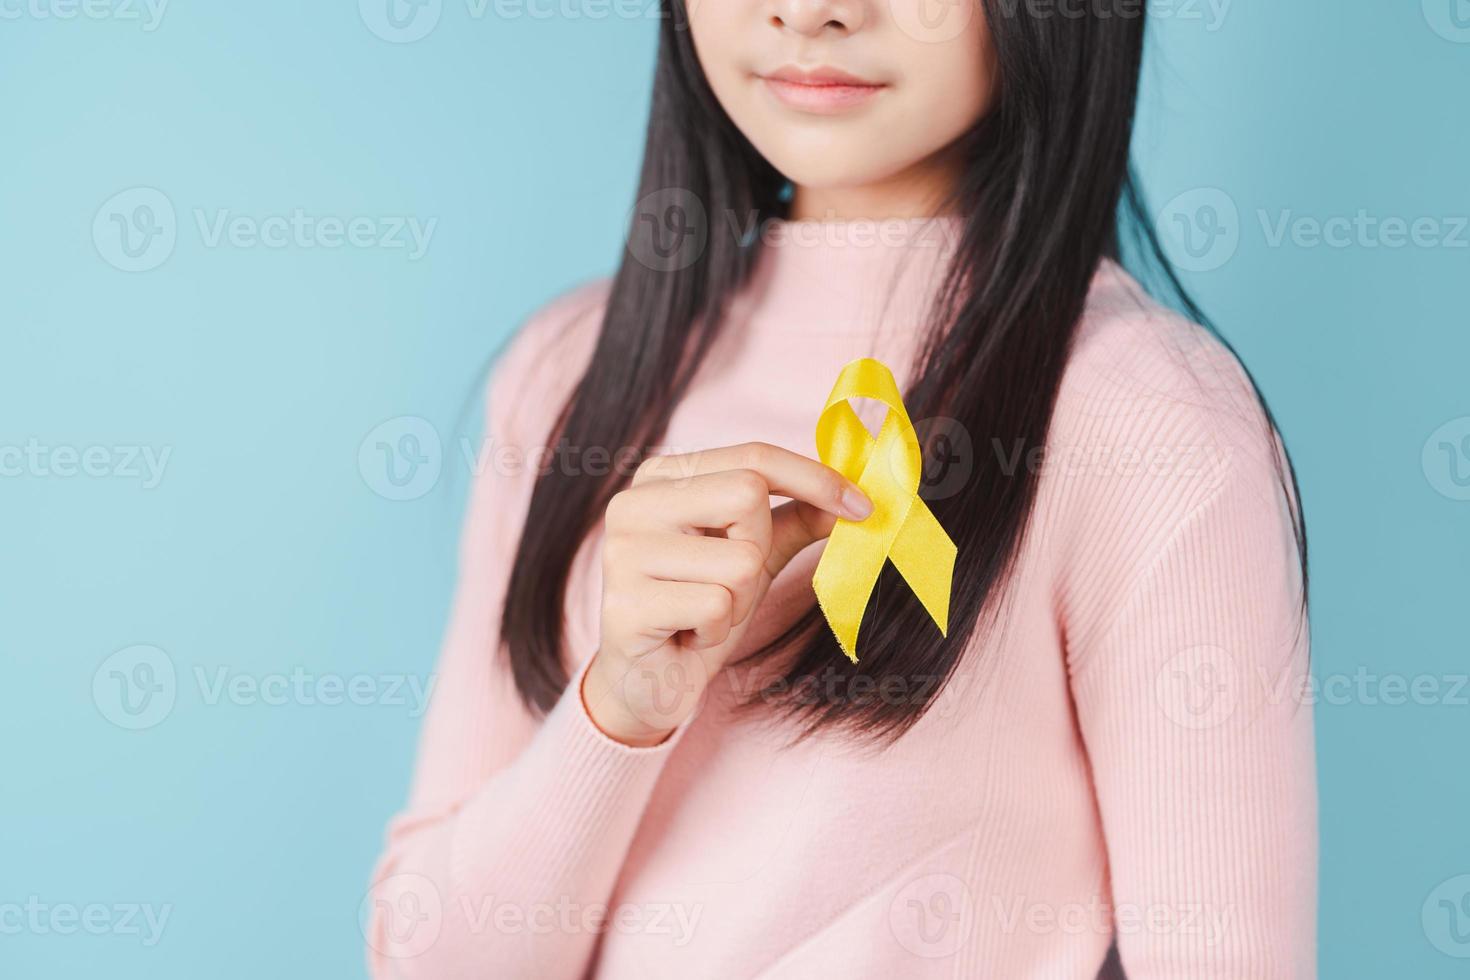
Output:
x=270 y=546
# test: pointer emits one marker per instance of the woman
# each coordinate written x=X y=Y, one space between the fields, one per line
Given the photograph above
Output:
x=648 y=755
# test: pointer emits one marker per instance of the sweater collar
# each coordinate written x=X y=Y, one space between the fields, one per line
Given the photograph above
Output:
x=848 y=278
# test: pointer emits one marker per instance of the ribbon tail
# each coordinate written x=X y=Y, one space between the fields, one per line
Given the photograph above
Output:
x=844 y=581
x=925 y=556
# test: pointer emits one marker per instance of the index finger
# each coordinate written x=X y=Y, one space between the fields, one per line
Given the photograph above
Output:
x=785 y=472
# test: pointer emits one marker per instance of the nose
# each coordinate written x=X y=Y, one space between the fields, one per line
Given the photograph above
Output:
x=811 y=18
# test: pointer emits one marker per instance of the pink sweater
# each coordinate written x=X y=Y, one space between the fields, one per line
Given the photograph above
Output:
x=1127 y=760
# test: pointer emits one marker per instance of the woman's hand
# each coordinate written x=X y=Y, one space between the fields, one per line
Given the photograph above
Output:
x=690 y=549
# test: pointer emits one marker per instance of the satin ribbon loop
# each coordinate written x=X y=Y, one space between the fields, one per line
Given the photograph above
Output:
x=901 y=528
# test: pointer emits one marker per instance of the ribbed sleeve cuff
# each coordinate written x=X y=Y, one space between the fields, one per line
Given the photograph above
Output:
x=559 y=821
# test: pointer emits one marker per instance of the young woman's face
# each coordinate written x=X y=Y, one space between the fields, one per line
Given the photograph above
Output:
x=840 y=94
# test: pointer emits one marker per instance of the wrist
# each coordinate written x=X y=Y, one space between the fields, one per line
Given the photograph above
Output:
x=603 y=702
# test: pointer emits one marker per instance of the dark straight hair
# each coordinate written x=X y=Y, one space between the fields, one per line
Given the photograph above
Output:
x=1045 y=194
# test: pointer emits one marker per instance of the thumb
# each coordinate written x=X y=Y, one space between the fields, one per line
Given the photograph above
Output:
x=794 y=525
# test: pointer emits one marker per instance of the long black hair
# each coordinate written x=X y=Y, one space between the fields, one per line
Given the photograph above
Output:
x=1045 y=193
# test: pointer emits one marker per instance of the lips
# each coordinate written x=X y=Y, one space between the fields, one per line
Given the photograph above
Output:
x=822 y=90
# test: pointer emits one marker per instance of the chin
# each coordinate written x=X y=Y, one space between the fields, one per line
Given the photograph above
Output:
x=819 y=177
x=832 y=165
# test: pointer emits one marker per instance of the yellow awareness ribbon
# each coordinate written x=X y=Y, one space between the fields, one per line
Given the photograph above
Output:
x=901 y=527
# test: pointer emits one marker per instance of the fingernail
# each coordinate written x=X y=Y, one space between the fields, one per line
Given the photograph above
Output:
x=856 y=504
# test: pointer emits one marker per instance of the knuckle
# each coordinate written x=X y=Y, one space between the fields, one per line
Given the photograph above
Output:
x=616 y=550
x=659 y=596
x=750 y=560
x=715 y=605
x=647 y=469
x=715 y=637
x=750 y=489
x=617 y=508
x=614 y=611
x=753 y=455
